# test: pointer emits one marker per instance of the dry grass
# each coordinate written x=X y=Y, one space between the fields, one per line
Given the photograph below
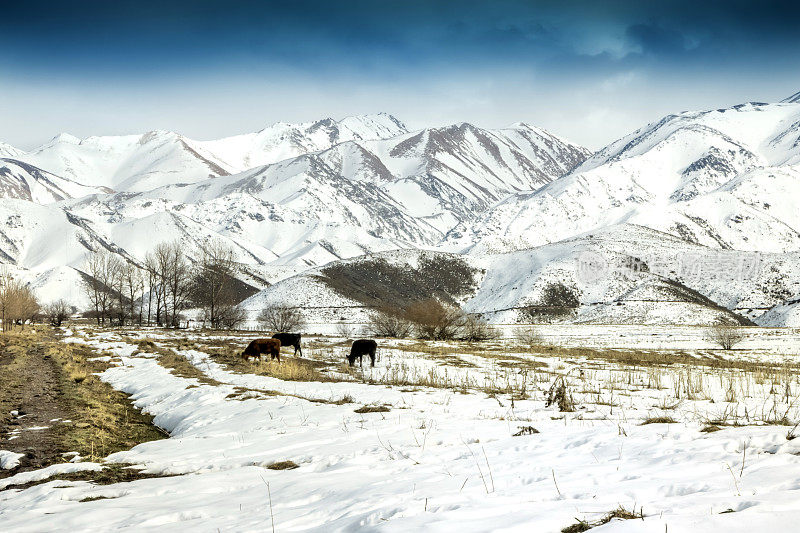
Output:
x=560 y=395
x=658 y=420
x=372 y=409
x=526 y=430
x=620 y=513
x=227 y=353
x=110 y=473
x=608 y=377
x=176 y=363
x=107 y=422
x=283 y=465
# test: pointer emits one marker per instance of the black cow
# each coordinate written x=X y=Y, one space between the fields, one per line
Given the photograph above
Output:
x=360 y=348
x=290 y=339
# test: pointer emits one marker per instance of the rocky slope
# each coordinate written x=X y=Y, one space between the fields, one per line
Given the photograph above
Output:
x=727 y=178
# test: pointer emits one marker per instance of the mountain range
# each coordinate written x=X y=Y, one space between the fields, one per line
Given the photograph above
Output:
x=519 y=205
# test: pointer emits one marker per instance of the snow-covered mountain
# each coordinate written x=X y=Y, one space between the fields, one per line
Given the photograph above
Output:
x=27 y=182
x=727 y=178
x=518 y=206
x=283 y=141
x=6 y=150
x=448 y=175
x=130 y=162
x=357 y=196
x=136 y=163
x=330 y=190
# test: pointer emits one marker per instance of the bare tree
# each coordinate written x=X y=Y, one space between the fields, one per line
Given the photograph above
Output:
x=132 y=287
x=57 y=312
x=231 y=317
x=27 y=307
x=213 y=284
x=116 y=283
x=171 y=281
x=155 y=288
x=113 y=286
x=434 y=320
x=281 y=319
x=100 y=270
x=725 y=333
x=389 y=324
x=178 y=281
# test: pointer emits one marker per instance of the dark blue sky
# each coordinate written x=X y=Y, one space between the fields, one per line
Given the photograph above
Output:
x=590 y=71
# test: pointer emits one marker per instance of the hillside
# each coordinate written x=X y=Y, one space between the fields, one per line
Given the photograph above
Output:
x=623 y=274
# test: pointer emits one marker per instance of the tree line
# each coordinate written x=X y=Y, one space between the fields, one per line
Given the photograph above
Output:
x=163 y=286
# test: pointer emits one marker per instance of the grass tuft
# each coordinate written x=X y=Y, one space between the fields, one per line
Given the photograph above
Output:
x=620 y=513
x=658 y=420
x=283 y=465
x=372 y=409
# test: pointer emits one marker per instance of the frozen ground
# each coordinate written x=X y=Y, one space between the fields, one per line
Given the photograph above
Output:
x=442 y=455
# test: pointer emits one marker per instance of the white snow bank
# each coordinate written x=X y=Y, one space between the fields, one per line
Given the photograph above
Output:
x=9 y=460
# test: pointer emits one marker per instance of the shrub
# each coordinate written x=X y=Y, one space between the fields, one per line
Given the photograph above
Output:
x=557 y=300
x=434 y=320
x=389 y=324
x=476 y=329
x=18 y=304
x=559 y=295
x=281 y=318
x=375 y=281
x=345 y=330
x=725 y=334
x=529 y=337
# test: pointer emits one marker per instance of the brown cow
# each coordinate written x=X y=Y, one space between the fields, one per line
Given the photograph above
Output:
x=259 y=346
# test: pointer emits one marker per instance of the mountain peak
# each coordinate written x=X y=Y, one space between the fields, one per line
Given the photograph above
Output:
x=6 y=150
x=65 y=138
x=158 y=135
x=794 y=99
x=382 y=124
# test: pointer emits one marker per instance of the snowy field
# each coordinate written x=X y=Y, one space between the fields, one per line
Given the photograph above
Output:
x=450 y=437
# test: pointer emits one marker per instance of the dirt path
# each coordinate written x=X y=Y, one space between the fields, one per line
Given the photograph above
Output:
x=51 y=403
x=33 y=409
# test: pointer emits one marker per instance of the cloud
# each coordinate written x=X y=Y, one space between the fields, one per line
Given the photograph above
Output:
x=654 y=40
x=98 y=67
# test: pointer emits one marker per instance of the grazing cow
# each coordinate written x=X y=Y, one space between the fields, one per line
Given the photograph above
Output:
x=290 y=339
x=261 y=346
x=360 y=348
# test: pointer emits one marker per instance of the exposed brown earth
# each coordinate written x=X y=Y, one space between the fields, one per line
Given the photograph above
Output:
x=51 y=403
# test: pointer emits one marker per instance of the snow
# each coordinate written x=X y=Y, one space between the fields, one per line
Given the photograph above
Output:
x=9 y=460
x=26 y=182
x=439 y=460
